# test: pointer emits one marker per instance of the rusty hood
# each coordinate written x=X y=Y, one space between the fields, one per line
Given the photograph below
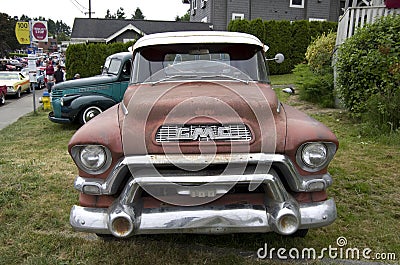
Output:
x=147 y=108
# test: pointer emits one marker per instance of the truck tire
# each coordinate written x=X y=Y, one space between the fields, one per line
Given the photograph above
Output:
x=89 y=113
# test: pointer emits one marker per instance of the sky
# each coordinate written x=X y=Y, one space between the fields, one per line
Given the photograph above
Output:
x=67 y=10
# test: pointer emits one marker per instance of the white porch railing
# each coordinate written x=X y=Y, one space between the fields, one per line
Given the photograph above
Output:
x=356 y=17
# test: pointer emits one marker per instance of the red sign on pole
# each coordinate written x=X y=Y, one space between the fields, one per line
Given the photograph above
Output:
x=39 y=31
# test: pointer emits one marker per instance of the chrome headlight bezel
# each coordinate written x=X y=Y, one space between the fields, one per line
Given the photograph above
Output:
x=328 y=148
x=79 y=152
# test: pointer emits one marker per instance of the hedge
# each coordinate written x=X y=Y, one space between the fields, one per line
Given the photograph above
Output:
x=88 y=59
x=368 y=73
x=289 y=38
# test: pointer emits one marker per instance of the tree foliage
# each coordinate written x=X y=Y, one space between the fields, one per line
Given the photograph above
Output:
x=185 y=17
x=291 y=39
x=315 y=78
x=138 y=14
x=8 y=40
x=87 y=59
x=120 y=14
x=368 y=69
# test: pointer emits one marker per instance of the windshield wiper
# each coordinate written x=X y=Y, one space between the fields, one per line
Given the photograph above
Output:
x=172 y=77
x=227 y=76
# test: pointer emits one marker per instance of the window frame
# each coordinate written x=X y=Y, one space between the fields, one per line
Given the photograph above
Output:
x=295 y=5
x=237 y=16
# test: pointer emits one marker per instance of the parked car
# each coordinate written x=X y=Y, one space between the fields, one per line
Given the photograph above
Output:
x=3 y=93
x=18 y=65
x=5 y=65
x=40 y=77
x=201 y=144
x=16 y=83
x=82 y=99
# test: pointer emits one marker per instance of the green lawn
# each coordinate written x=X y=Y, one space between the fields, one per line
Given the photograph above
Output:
x=36 y=194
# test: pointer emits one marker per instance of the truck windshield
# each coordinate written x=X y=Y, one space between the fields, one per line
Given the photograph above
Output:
x=111 y=66
x=241 y=62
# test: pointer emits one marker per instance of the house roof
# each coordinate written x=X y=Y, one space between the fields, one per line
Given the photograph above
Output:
x=98 y=29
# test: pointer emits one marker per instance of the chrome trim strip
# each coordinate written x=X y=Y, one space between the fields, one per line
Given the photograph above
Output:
x=297 y=182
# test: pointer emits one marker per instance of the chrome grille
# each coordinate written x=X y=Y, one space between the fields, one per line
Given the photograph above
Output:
x=212 y=132
x=57 y=93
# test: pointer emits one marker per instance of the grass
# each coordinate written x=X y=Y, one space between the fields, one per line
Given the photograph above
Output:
x=36 y=194
x=283 y=79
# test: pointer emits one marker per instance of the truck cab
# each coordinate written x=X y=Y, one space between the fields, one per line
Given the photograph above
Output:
x=80 y=100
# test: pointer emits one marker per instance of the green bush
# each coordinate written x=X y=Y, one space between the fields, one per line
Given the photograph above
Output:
x=315 y=79
x=301 y=38
x=257 y=28
x=285 y=37
x=319 y=52
x=368 y=72
x=313 y=87
x=278 y=36
x=88 y=59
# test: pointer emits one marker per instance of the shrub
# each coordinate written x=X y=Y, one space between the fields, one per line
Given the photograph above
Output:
x=257 y=28
x=278 y=36
x=285 y=37
x=87 y=59
x=315 y=88
x=368 y=71
x=300 y=40
x=315 y=79
x=319 y=52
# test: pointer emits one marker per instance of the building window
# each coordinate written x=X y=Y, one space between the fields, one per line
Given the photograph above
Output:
x=194 y=3
x=297 y=3
x=237 y=16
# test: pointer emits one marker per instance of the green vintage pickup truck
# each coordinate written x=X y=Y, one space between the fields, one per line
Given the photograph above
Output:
x=80 y=100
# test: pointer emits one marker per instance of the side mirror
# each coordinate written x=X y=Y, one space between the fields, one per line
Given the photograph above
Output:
x=279 y=58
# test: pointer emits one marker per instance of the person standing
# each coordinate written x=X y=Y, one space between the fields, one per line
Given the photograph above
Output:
x=59 y=75
x=49 y=75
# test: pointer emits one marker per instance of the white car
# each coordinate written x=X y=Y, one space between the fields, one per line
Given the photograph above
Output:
x=16 y=83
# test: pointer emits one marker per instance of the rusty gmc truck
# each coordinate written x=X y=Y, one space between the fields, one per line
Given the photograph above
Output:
x=201 y=144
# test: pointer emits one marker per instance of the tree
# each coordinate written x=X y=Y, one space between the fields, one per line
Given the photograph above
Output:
x=138 y=14
x=109 y=15
x=185 y=17
x=120 y=14
x=8 y=40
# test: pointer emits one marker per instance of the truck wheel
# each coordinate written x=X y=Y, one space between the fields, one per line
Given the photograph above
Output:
x=2 y=99
x=89 y=113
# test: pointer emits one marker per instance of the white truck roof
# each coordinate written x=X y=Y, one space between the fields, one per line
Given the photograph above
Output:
x=182 y=37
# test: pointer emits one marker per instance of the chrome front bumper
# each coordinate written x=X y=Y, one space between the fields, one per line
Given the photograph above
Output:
x=278 y=212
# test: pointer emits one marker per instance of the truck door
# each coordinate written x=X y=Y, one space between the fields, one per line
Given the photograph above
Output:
x=124 y=79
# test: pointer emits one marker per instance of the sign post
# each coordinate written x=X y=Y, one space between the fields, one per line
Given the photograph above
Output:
x=32 y=77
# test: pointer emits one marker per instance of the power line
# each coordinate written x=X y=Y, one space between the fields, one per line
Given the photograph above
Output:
x=76 y=3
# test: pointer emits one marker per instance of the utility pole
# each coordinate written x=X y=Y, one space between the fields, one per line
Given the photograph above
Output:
x=90 y=9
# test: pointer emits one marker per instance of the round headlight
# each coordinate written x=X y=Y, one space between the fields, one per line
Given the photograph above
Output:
x=93 y=157
x=314 y=155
